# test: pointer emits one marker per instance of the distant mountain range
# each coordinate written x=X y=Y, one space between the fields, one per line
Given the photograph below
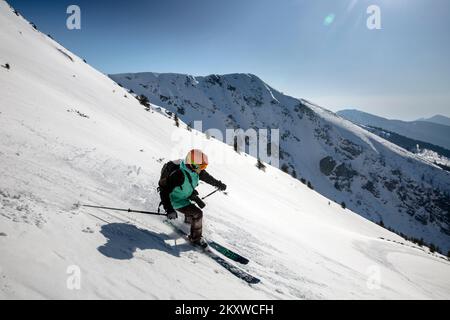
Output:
x=427 y=131
x=439 y=119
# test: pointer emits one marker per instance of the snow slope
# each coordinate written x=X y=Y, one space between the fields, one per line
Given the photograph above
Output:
x=344 y=162
x=71 y=134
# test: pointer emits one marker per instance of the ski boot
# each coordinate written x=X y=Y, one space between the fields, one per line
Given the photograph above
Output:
x=199 y=242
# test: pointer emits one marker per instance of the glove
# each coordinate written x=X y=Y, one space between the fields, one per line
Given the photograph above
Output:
x=221 y=186
x=172 y=214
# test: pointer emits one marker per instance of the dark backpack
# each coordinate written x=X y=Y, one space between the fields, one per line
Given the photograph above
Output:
x=166 y=171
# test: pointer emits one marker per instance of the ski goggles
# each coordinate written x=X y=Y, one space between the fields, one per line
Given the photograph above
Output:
x=199 y=167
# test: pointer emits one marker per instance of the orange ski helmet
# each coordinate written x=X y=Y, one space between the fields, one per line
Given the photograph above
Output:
x=196 y=160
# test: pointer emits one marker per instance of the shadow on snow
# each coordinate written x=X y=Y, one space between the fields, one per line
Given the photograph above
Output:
x=124 y=239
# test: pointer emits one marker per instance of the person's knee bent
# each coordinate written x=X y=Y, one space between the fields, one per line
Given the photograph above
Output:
x=198 y=214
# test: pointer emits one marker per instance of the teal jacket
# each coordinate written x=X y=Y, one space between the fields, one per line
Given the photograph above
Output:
x=180 y=195
x=177 y=188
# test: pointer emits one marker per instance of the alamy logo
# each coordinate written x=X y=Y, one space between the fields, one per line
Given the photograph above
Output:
x=374 y=19
x=74 y=20
x=373 y=278
x=254 y=142
x=74 y=278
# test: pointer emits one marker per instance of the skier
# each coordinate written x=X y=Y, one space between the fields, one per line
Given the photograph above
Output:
x=177 y=185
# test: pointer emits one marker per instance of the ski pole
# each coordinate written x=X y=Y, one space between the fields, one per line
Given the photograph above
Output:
x=210 y=194
x=125 y=210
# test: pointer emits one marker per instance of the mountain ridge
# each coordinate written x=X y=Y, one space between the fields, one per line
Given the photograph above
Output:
x=439 y=119
x=434 y=133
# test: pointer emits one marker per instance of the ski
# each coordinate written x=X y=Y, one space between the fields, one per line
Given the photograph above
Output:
x=227 y=252
x=230 y=254
x=239 y=273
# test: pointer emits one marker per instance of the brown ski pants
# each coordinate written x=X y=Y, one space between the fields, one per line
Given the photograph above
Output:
x=194 y=215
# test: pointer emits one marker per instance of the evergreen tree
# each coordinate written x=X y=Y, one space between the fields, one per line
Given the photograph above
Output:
x=143 y=100
x=177 y=121
x=432 y=248
x=420 y=242
x=260 y=165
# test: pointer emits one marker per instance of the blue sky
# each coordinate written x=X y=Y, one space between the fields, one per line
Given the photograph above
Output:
x=401 y=71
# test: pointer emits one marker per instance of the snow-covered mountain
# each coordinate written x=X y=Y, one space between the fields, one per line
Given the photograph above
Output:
x=69 y=134
x=439 y=119
x=430 y=132
x=342 y=161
